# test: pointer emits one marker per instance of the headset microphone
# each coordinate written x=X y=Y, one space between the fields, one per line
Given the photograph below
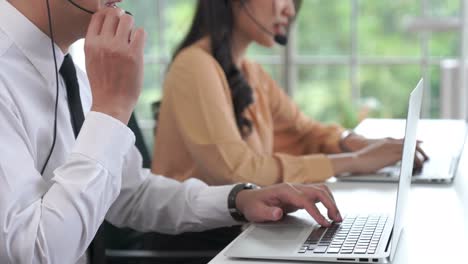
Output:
x=279 y=38
x=89 y=11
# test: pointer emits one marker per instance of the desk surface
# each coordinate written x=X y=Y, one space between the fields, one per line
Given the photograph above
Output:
x=436 y=229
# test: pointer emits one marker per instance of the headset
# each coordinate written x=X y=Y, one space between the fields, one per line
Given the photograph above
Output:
x=80 y=7
x=89 y=11
x=279 y=38
x=52 y=43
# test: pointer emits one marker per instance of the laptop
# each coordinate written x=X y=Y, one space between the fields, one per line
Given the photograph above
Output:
x=358 y=239
x=444 y=151
x=443 y=141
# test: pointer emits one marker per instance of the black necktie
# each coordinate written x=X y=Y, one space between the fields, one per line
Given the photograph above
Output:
x=68 y=73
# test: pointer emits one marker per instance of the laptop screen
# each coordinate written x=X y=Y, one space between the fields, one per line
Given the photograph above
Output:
x=409 y=147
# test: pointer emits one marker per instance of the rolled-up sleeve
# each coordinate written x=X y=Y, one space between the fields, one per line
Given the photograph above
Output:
x=295 y=132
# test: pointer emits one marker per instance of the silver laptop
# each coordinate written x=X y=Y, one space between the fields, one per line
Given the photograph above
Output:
x=444 y=151
x=358 y=239
x=443 y=141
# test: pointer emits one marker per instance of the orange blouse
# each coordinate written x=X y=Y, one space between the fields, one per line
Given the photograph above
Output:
x=197 y=135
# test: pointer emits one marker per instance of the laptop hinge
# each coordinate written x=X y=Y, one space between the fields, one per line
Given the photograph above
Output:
x=389 y=241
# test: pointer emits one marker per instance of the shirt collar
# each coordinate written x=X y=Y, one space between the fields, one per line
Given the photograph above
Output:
x=32 y=42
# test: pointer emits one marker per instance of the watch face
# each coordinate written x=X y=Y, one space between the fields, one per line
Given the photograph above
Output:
x=251 y=186
x=346 y=134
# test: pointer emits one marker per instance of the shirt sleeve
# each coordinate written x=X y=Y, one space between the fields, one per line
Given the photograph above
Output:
x=54 y=221
x=202 y=104
x=149 y=202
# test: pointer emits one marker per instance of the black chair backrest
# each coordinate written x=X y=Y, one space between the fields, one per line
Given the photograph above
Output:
x=155 y=109
x=140 y=141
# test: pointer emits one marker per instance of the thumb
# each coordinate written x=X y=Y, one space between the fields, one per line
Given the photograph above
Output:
x=268 y=213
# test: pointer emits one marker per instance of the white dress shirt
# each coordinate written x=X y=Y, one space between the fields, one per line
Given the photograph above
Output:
x=52 y=218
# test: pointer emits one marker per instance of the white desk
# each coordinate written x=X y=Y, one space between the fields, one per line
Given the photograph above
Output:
x=436 y=227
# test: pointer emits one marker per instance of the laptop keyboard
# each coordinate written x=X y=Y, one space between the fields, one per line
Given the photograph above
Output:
x=355 y=235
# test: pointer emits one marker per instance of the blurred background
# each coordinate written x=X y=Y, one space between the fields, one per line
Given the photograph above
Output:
x=347 y=59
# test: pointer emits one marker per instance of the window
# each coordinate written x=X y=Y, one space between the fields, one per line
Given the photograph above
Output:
x=349 y=59
x=369 y=60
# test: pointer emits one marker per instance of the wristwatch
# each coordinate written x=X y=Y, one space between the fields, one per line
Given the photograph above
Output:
x=344 y=135
x=235 y=213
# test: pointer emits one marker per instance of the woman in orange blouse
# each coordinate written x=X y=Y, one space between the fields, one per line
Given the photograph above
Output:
x=224 y=120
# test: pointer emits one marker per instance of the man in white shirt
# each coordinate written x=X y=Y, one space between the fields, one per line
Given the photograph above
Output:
x=52 y=217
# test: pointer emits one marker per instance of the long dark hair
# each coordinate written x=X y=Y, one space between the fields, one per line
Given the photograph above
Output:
x=215 y=19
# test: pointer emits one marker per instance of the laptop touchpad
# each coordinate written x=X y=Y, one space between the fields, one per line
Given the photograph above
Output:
x=276 y=232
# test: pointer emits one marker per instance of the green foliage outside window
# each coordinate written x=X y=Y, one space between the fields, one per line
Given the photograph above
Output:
x=324 y=30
